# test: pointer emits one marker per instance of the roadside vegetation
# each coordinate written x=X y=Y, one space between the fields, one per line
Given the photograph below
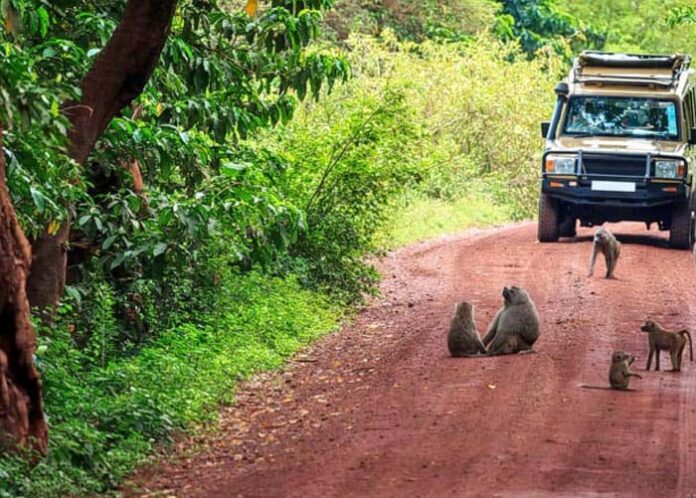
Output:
x=224 y=218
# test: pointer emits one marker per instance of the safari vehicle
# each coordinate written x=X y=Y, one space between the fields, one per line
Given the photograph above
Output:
x=619 y=146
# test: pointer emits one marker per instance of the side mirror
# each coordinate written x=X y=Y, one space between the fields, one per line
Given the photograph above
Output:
x=545 y=125
x=692 y=136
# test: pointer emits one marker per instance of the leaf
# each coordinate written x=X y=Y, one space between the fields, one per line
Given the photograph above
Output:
x=109 y=242
x=92 y=52
x=119 y=259
x=39 y=200
x=53 y=227
x=231 y=169
x=44 y=21
x=160 y=248
x=251 y=8
x=73 y=293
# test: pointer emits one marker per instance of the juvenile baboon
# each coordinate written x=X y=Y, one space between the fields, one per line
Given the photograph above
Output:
x=605 y=241
x=515 y=327
x=660 y=338
x=620 y=374
x=463 y=339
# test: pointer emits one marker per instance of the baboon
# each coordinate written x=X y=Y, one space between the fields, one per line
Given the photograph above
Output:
x=515 y=327
x=660 y=338
x=620 y=374
x=605 y=241
x=463 y=339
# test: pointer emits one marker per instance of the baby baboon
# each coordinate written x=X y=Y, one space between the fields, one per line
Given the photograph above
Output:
x=463 y=338
x=620 y=374
x=515 y=327
x=605 y=241
x=666 y=340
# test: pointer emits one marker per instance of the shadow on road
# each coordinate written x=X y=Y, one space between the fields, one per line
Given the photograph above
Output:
x=645 y=240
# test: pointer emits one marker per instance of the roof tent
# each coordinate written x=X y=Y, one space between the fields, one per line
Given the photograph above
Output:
x=607 y=68
x=643 y=61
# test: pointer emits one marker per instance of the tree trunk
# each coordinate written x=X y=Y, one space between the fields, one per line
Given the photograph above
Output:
x=21 y=411
x=118 y=76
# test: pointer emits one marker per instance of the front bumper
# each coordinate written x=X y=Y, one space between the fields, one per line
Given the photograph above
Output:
x=648 y=193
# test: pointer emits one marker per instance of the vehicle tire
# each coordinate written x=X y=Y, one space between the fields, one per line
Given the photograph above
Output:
x=547 y=229
x=567 y=227
x=681 y=234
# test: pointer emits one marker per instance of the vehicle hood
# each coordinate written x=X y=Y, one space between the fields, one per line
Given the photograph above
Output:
x=617 y=144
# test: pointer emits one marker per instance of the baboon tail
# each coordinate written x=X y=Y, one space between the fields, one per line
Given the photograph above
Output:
x=691 y=348
x=587 y=386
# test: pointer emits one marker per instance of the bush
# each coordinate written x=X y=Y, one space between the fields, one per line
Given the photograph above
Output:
x=476 y=107
x=346 y=159
x=106 y=419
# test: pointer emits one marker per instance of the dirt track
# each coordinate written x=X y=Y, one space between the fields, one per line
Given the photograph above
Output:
x=385 y=412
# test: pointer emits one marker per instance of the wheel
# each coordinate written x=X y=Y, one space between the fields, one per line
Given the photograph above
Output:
x=567 y=227
x=547 y=229
x=681 y=234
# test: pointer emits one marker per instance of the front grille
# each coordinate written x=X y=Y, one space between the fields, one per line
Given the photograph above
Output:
x=614 y=165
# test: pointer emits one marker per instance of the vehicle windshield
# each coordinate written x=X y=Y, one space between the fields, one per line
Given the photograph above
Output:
x=622 y=117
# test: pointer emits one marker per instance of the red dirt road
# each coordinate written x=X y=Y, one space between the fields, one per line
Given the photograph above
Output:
x=384 y=412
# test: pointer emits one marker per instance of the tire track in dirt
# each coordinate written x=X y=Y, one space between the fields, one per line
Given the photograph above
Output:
x=385 y=412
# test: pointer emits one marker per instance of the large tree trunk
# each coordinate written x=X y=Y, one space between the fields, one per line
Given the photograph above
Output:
x=21 y=411
x=118 y=76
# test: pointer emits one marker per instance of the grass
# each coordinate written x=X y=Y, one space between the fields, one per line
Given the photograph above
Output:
x=106 y=420
x=425 y=218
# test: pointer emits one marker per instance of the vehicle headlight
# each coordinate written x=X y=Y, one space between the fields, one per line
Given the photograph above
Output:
x=671 y=168
x=560 y=165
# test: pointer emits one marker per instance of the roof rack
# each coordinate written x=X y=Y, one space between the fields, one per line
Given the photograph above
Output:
x=650 y=70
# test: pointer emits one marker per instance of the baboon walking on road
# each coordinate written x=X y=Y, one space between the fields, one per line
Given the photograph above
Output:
x=605 y=242
x=661 y=339
x=463 y=338
x=515 y=327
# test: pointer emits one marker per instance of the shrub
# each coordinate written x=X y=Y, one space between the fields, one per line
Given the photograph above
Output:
x=476 y=108
x=106 y=419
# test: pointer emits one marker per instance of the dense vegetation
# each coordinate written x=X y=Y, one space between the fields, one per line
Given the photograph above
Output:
x=223 y=218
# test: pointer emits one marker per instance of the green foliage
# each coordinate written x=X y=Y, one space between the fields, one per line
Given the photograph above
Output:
x=40 y=176
x=346 y=159
x=682 y=14
x=477 y=108
x=222 y=75
x=624 y=22
x=421 y=217
x=105 y=418
x=413 y=20
x=540 y=23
